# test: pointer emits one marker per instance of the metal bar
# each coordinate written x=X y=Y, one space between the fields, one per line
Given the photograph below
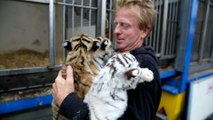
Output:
x=18 y=71
x=164 y=27
x=75 y=5
x=26 y=88
x=52 y=32
x=212 y=53
x=64 y=29
x=110 y=20
x=27 y=103
x=190 y=38
x=38 y=1
x=167 y=57
x=203 y=38
x=155 y=30
x=90 y=14
x=172 y=38
x=201 y=67
x=175 y=29
x=185 y=9
x=168 y=35
x=159 y=3
x=82 y=17
x=159 y=22
x=151 y=39
x=168 y=74
x=171 y=28
x=101 y=18
x=171 y=86
x=206 y=60
x=73 y=19
x=200 y=76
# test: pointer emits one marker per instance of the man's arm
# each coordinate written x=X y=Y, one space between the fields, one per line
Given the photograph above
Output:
x=73 y=108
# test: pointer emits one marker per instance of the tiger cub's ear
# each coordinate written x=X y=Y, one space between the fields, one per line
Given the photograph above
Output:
x=132 y=73
x=67 y=45
x=95 y=45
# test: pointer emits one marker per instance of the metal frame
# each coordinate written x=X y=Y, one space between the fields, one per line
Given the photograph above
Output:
x=163 y=36
x=203 y=63
x=101 y=26
x=100 y=18
x=185 y=48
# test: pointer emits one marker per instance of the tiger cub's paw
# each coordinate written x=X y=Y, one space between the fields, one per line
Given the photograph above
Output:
x=146 y=75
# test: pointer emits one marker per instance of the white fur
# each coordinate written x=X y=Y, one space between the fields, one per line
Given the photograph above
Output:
x=107 y=97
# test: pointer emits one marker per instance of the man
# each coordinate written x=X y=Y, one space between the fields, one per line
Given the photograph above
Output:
x=133 y=22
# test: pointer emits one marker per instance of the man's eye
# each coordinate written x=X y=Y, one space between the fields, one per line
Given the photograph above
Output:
x=124 y=25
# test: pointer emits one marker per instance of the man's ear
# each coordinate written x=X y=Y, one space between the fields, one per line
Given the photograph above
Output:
x=145 y=32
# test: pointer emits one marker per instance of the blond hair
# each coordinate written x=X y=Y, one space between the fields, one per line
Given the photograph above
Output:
x=143 y=10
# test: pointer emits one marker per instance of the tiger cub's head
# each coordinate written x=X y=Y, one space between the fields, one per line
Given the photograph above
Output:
x=83 y=48
x=87 y=55
x=89 y=44
x=82 y=42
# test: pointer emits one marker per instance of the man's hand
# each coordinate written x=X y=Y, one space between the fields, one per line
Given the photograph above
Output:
x=62 y=87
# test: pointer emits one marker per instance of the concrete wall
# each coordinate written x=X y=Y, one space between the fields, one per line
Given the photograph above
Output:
x=23 y=25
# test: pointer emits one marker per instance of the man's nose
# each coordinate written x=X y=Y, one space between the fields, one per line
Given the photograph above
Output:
x=117 y=29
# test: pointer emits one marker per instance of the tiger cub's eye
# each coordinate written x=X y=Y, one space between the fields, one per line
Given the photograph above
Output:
x=95 y=46
x=67 y=45
x=104 y=45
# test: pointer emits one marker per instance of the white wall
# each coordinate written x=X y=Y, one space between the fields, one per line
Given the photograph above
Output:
x=200 y=99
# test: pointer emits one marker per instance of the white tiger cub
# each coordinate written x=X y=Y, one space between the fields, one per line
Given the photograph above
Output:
x=107 y=97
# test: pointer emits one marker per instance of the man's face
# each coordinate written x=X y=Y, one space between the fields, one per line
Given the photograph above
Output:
x=127 y=33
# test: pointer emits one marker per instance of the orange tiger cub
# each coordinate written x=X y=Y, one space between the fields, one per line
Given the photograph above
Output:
x=86 y=55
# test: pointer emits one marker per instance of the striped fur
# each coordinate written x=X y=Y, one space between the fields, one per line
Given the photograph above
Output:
x=86 y=55
x=107 y=97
